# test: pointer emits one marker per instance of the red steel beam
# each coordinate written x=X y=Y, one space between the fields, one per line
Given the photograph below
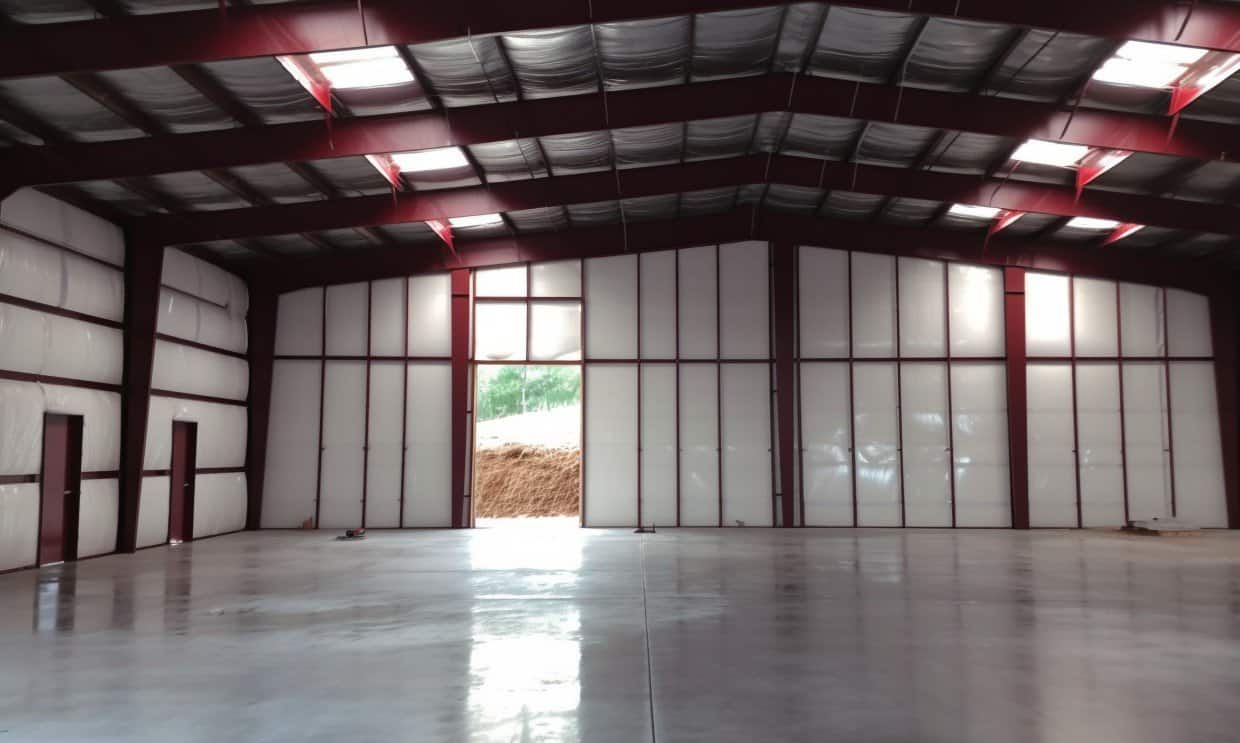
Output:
x=461 y=301
x=783 y=302
x=65 y=162
x=369 y=211
x=1017 y=394
x=266 y=30
x=593 y=242
x=261 y=321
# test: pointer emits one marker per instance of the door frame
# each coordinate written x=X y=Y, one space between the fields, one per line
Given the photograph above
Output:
x=72 y=494
x=190 y=429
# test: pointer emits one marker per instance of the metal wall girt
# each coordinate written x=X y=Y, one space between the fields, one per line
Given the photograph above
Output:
x=267 y=30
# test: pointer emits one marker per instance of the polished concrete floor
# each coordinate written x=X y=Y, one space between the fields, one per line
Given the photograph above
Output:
x=544 y=634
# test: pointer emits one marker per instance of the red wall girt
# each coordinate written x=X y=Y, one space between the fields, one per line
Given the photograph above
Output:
x=143 y=269
x=369 y=211
x=261 y=323
x=209 y=35
x=1005 y=117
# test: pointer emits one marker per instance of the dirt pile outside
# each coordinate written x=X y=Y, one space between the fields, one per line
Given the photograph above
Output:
x=519 y=480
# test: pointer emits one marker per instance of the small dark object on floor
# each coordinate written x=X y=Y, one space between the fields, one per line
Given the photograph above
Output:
x=351 y=534
x=644 y=530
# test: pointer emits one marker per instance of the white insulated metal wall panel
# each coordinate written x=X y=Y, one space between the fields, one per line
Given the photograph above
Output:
x=874 y=305
x=19 y=525
x=428 y=438
x=610 y=452
x=30 y=269
x=500 y=331
x=1200 y=494
x=979 y=418
x=699 y=444
x=45 y=344
x=21 y=428
x=507 y=281
x=181 y=368
x=1094 y=308
x=97 y=517
x=292 y=445
x=744 y=302
x=219 y=503
x=50 y=218
x=344 y=427
x=153 y=511
x=611 y=307
x=927 y=458
x=923 y=316
x=745 y=418
x=299 y=323
x=387 y=318
x=430 y=315
x=384 y=452
x=1141 y=311
x=101 y=423
x=1188 y=324
x=822 y=297
x=826 y=444
x=658 y=449
x=1052 y=463
x=555 y=279
x=1100 y=445
x=698 y=299
x=1147 y=440
x=555 y=331
x=877 y=452
x=1047 y=320
x=658 y=304
x=222 y=431
x=976 y=310
x=346 y=319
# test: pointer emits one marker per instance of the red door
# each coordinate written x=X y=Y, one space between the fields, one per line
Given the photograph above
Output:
x=181 y=481
x=61 y=481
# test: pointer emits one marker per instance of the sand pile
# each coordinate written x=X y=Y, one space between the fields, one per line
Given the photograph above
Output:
x=520 y=480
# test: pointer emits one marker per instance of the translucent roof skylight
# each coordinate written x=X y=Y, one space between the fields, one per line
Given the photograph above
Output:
x=1146 y=65
x=369 y=67
x=478 y=220
x=974 y=212
x=1091 y=223
x=1055 y=154
x=423 y=161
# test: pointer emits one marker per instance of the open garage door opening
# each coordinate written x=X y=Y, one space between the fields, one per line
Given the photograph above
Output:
x=527 y=450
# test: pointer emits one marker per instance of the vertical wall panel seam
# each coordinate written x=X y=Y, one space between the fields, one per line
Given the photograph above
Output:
x=1076 y=426
x=900 y=394
x=583 y=331
x=366 y=411
x=798 y=401
x=676 y=310
x=951 y=414
x=718 y=385
x=1170 y=408
x=852 y=398
x=404 y=396
x=1123 y=423
x=318 y=479
x=638 y=303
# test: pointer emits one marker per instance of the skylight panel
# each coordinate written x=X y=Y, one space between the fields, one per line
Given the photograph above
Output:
x=422 y=161
x=1147 y=65
x=1055 y=154
x=478 y=220
x=369 y=67
x=970 y=211
x=1091 y=223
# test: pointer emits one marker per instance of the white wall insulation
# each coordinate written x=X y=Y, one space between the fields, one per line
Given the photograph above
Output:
x=57 y=255
x=610 y=452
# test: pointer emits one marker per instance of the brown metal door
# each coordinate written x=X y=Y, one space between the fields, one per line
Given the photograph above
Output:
x=181 y=481
x=61 y=481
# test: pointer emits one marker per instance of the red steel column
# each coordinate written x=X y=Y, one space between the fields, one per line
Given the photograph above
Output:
x=460 y=394
x=1224 y=319
x=261 y=323
x=1017 y=398
x=783 y=297
x=143 y=268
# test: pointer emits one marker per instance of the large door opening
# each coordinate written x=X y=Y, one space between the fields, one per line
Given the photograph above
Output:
x=527 y=443
x=61 y=491
x=181 y=481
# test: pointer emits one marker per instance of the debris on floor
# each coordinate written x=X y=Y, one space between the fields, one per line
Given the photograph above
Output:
x=1163 y=528
x=352 y=534
x=521 y=480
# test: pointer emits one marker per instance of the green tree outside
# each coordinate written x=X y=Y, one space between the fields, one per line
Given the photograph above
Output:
x=512 y=390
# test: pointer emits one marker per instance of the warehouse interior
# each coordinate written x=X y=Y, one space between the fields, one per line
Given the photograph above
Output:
x=817 y=359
